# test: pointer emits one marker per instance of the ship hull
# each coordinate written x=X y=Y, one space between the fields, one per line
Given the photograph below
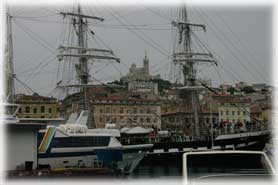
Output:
x=171 y=152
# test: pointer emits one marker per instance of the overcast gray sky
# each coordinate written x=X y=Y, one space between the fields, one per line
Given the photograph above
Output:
x=240 y=38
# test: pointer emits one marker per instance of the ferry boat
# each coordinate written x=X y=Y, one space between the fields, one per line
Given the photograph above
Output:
x=74 y=145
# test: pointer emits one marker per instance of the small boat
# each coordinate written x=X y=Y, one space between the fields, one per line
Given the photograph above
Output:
x=73 y=145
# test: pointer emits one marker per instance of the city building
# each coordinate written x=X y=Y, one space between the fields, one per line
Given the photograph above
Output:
x=126 y=112
x=139 y=73
x=262 y=111
x=178 y=116
x=259 y=87
x=241 y=85
x=225 y=87
x=36 y=106
x=143 y=87
x=232 y=109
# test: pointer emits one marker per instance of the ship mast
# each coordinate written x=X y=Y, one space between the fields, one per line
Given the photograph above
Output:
x=83 y=54
x=188 y=59
x=9 y=90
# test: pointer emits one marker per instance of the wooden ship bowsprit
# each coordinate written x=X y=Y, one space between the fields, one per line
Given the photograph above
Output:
x=170 y=148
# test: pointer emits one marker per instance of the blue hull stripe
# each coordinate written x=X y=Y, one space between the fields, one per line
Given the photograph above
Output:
x=70 y=154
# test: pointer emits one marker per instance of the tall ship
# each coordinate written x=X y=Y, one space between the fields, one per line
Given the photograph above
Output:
x=77 y=143
x=69 y=147
x=205 y=135
x=154 y=143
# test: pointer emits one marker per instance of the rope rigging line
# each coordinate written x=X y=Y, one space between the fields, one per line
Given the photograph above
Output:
x=36 y=73
x=34 y=38
x=218 y=56
x=24 y=84
x=39 y=37
x=240 y=42
x=154 y=12
x=224 y=43
x=149 y=42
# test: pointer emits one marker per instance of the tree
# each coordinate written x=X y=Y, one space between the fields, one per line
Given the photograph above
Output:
x=162 y=84
x=231 y=90
x=247 y=90
x=118 y=82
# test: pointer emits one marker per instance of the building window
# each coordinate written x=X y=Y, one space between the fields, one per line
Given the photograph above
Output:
x=135 y=118
x=27 y=109
x=221 y=112
x=107 y=109
x=227 y=112
x=141 y=120
x=233 y=112
x=49 y=110
x=100 y=119
x=238 y=112
x=121 y=110
x=244 y=113
x=19 y=110
x=35 y=110
x=134 y=110
x=42 y=109
x=100 y=110
x=207 y=120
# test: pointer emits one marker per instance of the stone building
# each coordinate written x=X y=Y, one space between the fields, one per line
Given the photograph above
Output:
x=139 y=73
x=231 y=109
x=112 y=108
x=36 y=106
x=126 y=112
x=178 y=116
x=143 y=87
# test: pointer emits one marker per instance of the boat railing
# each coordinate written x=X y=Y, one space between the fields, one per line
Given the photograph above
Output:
x=188 y=138
x=242 y=129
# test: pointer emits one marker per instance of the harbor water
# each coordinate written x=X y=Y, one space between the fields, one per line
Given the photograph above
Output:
x=157 y=172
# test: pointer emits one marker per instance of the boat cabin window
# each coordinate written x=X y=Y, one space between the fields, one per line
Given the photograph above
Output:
x=27 y=109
